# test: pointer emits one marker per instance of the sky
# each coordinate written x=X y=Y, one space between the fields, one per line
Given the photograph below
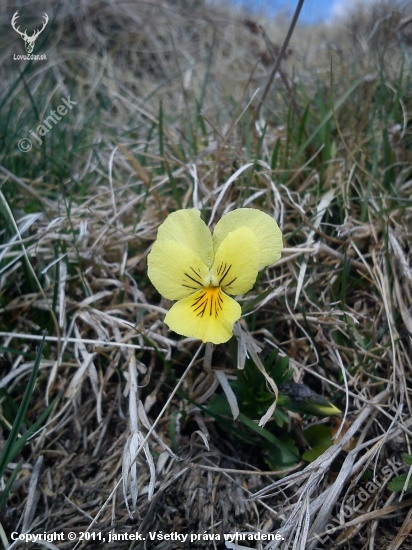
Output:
x=313 y=11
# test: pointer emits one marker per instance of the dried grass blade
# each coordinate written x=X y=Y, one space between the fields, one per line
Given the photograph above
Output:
x=133 y=393
x=151 y=464
x=242 y=345
x=28 y=221
x=45 y=543
x=146 y=423
x=403 y=533
x=332 y=496
x=86 y=366
x=133 y=484
x=335 y=353
x=248 y=345
x=126 y=464
x=62 y=294
x=320 y=212
x=225 y=187
x=31 y=502
x=193 y=172
x=230 y=395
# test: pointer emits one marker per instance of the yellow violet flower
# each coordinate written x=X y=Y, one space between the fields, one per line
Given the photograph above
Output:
x=199 y=270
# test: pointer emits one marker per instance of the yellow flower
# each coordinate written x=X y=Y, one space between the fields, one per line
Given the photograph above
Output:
x=189 y=265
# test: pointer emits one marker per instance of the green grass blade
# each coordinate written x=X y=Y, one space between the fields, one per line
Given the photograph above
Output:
x=19 y=444
x=7 y=453
x=6 y=491
x=325 y=120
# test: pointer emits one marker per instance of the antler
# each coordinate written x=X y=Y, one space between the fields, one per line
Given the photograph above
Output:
x=13 y=21
x=36 y=33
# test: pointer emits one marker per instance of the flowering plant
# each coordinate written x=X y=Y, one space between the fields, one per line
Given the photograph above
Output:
x=199 y=270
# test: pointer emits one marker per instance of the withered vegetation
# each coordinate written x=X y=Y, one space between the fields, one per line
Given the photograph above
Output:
x=165 y=117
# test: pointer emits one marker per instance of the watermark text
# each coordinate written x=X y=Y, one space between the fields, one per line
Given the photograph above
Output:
x=25 y=144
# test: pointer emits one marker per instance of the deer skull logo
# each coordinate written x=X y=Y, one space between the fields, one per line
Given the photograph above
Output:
x=29 y=41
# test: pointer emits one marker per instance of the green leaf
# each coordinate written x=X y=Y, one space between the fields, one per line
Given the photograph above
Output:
x=280 y=372
x=397 y=483
x=319 y=438
x=407 y=458
x=218 y=406
x=282 y=454
x=286 y=451
x=280 y=417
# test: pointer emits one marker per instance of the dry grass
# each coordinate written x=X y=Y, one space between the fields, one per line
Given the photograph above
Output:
x=165 y=94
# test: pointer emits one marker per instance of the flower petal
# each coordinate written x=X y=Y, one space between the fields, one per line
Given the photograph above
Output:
x=263 y=226
x=175 y=271
x=208 y=315
x=236 y=262
x=187 y=228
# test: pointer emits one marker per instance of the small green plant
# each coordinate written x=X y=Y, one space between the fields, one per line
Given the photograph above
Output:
x=397 y=484
x=277 y=439
x=15 y=441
